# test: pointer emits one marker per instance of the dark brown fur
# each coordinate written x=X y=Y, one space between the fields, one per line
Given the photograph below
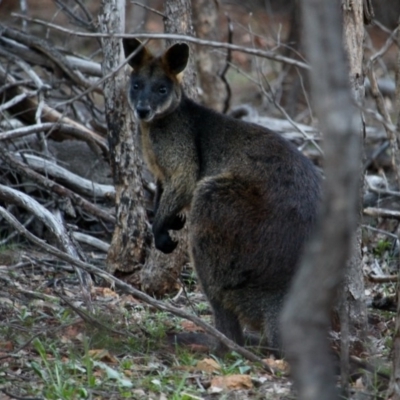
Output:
x=250 y=196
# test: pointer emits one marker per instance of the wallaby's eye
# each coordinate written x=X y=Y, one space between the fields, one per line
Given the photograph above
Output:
x=162 y=89
x=135 y=86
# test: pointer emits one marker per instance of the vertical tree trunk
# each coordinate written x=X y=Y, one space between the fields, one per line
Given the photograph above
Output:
x=131 y=236
x=306 y=317
x=209 y=62
x=160 y=273
x=178 y=19
x=394 y=387
x=353 y=308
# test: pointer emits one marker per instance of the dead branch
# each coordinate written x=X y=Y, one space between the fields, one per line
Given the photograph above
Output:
x=381 y=213
x=55 y=187
x=33 y=57
x=55 y=225
x=380 y=103
x=90 y=240
x=219 y=45
x=52 y=53
x=81 y=185
x=49 y=114
x=383 y=278
x=69 y=128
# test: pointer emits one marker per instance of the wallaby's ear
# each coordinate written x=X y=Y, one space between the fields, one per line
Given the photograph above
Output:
x=176 y=58
x=142 y=57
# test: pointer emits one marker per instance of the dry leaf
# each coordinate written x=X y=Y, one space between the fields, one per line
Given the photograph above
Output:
x=190 y=326
x=208 y=365
x=231 y=382
x=358 y=384
x=281 y=365
x=7 y=346
x=105 y=292
x=102 y=355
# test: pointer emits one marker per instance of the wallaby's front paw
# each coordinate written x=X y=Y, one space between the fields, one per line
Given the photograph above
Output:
x=164 y=242
x=177 y=223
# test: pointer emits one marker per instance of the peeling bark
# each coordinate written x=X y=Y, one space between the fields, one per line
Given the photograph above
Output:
x=131 y=237
x=209 y=61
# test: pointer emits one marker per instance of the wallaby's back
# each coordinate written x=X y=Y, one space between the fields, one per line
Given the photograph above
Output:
x=252 y=196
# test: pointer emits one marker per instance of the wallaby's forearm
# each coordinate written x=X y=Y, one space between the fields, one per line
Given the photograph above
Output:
x=176 y=196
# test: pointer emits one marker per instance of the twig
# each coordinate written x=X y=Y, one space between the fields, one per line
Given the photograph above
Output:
x=134 y=292
x=228 y=61
x=92 y=241
x=368 y=367
x=73 y=15
x=385 y=47
x=391 y=235
x=153 y=10
x=56 y=56
x=384 y=192
x=379 y=118
x=17 y=99
x=380 y=103
x=33 y=57
x=294 y=124
x=260 y=53
x=87 y=317
x=383 y=278
x=381 y=213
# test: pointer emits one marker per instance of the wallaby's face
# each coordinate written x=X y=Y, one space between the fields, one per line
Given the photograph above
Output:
x=154 y=89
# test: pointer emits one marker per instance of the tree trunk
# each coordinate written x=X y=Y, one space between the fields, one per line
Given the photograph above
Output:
x=209 y=62
x=306 y=317
x=178 y=20
x=161 y=271
x=131 y=236
x=353 y=306
x=394 y=386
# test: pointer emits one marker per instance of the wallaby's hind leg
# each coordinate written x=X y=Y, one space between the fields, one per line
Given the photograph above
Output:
x=214 y=246
x=271 y=323
x=228 y=323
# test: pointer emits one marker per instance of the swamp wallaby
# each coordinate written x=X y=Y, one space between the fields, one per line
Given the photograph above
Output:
x=250 y=196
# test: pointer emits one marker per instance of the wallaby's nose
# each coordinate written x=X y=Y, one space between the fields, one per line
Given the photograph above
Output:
x=143 y=111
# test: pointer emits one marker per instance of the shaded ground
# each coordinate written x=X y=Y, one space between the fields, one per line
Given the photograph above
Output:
x=56 y=350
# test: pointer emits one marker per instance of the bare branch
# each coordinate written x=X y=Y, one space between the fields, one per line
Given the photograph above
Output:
x=55 y=187
x=381 y=213
x=55 y=225
x=222 y=45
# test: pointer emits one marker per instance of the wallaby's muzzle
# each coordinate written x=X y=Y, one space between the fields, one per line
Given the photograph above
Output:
x=143 y=112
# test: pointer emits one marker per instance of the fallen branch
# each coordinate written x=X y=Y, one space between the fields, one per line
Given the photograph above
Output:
x=49 y=114
x=54 y=187
x=92 y=241
x=383 y=278
x=52 y=53
x=82 y=185
x=55 y=225
x=381 y=213
x=33 y=57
